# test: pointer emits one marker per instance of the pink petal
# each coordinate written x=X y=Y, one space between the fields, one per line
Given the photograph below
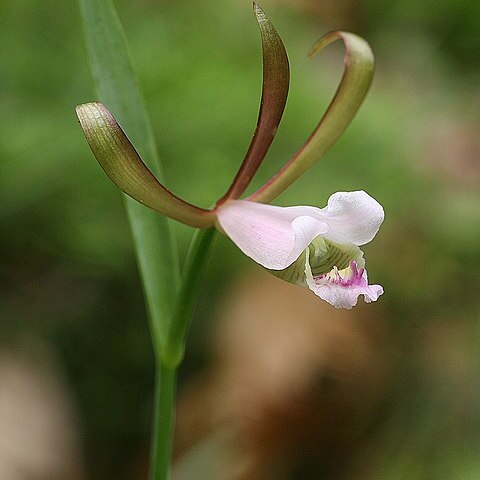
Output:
x=272 y=236
x=353 y=217
x=342 y=288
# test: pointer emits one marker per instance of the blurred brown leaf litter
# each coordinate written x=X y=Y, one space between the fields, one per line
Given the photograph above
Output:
x=39 y=436
x=296 y=387
x=292 y=379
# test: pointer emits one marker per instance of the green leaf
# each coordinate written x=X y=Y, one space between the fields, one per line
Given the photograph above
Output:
x=276 y=79
x=123 y=165
x=117 y=86
x=354 y=85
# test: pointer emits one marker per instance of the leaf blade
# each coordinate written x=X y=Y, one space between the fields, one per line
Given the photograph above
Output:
x=116 y=83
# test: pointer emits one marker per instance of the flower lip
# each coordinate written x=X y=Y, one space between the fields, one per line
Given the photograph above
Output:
x=341 y=288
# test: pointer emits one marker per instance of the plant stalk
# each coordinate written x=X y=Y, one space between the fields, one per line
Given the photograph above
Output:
x=170 y=357
x=195 y=262
x=164 y=421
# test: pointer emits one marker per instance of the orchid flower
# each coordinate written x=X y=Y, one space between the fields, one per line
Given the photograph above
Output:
x=316 y=247
x=308 y=245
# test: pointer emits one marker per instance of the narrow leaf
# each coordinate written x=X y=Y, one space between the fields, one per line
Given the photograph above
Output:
x=354 y=85
x=123 y=165
x=276 y=78
x=117 y=86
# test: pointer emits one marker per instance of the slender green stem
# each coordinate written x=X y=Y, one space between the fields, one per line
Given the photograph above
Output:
x=170 y=357
x=183 y=311
x=164 y=419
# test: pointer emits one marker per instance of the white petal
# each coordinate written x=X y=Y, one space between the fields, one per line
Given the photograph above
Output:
x=342 y=297
x=353 y=217
x=342 y=294
x=272 y=236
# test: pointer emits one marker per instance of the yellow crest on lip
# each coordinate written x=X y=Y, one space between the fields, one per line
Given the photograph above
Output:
x=323 y=256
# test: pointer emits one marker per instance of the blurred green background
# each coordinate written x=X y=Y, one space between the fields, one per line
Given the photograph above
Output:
x=69 y=285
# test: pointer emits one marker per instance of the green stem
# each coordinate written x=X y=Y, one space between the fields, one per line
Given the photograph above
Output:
x=170 y=356
x=183 y=311
x=164 y=419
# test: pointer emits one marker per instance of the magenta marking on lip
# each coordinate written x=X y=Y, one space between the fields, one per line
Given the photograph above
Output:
x=353 y=278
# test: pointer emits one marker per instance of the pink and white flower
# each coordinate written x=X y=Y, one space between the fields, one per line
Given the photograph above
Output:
x=317 y=247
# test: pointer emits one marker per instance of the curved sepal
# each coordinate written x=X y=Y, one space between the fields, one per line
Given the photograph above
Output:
x=276 y=79
x=121 y=162
x=354 y=85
